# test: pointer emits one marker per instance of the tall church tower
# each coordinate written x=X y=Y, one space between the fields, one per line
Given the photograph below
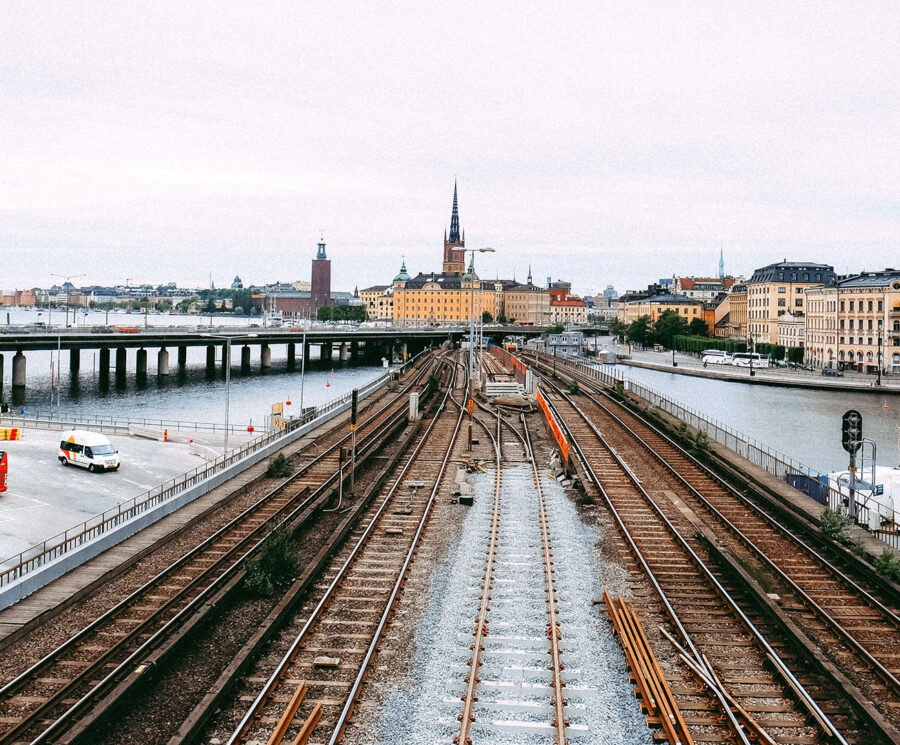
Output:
x=320 y=279
x=455 y=243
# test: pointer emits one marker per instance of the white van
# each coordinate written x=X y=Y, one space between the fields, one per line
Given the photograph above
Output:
x=89 y=450
x=715 y=357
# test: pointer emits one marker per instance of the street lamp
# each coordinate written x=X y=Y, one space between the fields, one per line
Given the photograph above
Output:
x=68 y=278
x=472 y=251
x=228 y=338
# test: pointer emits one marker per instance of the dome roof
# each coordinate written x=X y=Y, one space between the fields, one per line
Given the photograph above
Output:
x=403 y=276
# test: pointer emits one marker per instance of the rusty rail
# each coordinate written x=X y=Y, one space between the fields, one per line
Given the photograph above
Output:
x=650 y=683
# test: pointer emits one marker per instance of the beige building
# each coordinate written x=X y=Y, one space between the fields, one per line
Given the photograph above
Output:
x=779 y=288
x=821 y=326
x=792 y=330
x=526 y=303
x=868 y=312
x=378 y=302
x=631 y=310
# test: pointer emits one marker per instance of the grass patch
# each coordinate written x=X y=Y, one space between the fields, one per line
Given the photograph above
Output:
x=275 y=566
x=279 y=467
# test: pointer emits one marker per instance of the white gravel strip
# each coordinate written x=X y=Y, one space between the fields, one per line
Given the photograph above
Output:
x=515 y=690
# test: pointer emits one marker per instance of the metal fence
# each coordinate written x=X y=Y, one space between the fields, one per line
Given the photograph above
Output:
x=42 y=553
x=880 y=518
x=37 y=417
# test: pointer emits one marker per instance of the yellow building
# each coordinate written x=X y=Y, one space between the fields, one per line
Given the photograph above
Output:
x=526 y=303
x=779 y=288
x=378 y=302
x=442 y=298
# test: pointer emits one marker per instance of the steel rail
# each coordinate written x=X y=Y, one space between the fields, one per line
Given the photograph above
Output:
x=343 y=718
x=196 y=605
x=273 y=680
x=852 y=587
x=867 y=656
x=785 y=672
x=743 y=498
x=553 y=626
x=308 y=503
x=481 y=623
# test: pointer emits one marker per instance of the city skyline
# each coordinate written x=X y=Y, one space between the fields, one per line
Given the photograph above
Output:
x=589 y=142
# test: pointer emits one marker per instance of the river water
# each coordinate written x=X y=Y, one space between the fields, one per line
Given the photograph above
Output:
x=188 y=397
x=802 y=423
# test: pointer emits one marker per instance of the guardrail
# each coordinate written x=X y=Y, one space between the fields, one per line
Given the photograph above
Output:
x=37 y=417
x=879 y=518
x=34 y=557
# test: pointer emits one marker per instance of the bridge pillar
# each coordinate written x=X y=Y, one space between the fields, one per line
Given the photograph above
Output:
x=18 y=370
x=162 y=362
x=74 y=362
x=306 y=354
x=182 y=358
x=325 y=352
x=291 y=357
x=120 y=363
x=226 y=360
x=1 y=374
x=140 y=365
x=210 y=359
x=404 y=351
x=104 y=366
x=265 y=356
x=345 y=349
x=245 y=360
x=354 y=350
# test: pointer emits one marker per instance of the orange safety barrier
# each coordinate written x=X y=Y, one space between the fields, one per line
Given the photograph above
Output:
x=554 y=426
x=10 y=433
x=513 y=364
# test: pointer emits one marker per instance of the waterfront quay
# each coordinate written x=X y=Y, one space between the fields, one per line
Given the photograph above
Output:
x=529 y=555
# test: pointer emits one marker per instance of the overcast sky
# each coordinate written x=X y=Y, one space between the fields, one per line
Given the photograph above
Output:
x=601 y=142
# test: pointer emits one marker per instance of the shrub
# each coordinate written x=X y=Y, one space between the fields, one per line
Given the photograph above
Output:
x=889 y=565
x=702 y=440
x=682 y=430
x=434 y=383
x=574 y=390
x=275 y=566
x=834 y=525
x=279 y=467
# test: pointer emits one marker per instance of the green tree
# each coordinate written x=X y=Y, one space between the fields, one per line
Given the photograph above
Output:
x=698 y=327
x=487 y=317
x=640 y=331
x=618 y=328
x=669 y=325
x=556 y=328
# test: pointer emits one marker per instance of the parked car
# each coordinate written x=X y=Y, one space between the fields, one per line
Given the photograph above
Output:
x=831 y=372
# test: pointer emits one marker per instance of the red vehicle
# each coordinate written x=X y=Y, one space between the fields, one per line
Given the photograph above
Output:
x=4 y=467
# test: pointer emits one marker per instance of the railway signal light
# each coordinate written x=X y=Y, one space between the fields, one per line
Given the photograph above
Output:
x=851 y=431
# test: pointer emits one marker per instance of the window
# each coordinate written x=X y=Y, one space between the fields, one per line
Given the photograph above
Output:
x=869 y=306
x=842 y=306
x=851 y=306
x=782 y=290
x=880 y=306
x=798 y=303
x=781 y=302
x=799 y=290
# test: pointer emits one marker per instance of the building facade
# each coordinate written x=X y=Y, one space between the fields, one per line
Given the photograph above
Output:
x=821 y=326
x=527 y=304
x=298 y=303
x=779 y=288
x=868 y=322
x=792 y=330
x=566 y=308
x=653 y=306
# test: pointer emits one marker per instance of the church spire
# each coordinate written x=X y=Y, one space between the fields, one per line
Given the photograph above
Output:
x=454 y=218
x=529 y=274
x=721 y=263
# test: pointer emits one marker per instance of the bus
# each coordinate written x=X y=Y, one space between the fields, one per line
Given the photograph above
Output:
x=742 y=359
x=715 y=357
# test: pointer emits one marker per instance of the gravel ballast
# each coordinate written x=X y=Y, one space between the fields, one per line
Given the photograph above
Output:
x=515 y=689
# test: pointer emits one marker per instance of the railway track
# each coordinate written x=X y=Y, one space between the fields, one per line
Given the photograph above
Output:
x=314 y=684
x=49 y=698
x=752 y=656
x=858 y=631
x=519 y=562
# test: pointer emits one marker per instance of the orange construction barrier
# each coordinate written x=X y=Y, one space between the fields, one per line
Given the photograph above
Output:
x=554 y=427
x=10 y=433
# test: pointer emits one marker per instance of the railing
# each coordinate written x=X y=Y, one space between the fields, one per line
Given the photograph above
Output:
x=42 y=553
x=880 y=518
x=50 y=415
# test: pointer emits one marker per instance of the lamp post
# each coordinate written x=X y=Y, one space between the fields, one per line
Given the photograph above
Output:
x=302 y=368
x=227 y=361
x=472 y=334
x=750 y=350
x=67 y=278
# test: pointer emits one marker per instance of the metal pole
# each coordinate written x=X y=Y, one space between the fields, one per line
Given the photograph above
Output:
x=302 y=370
x=227 y=362
x=353 y=462
x=58 y=355
x=879 y=358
